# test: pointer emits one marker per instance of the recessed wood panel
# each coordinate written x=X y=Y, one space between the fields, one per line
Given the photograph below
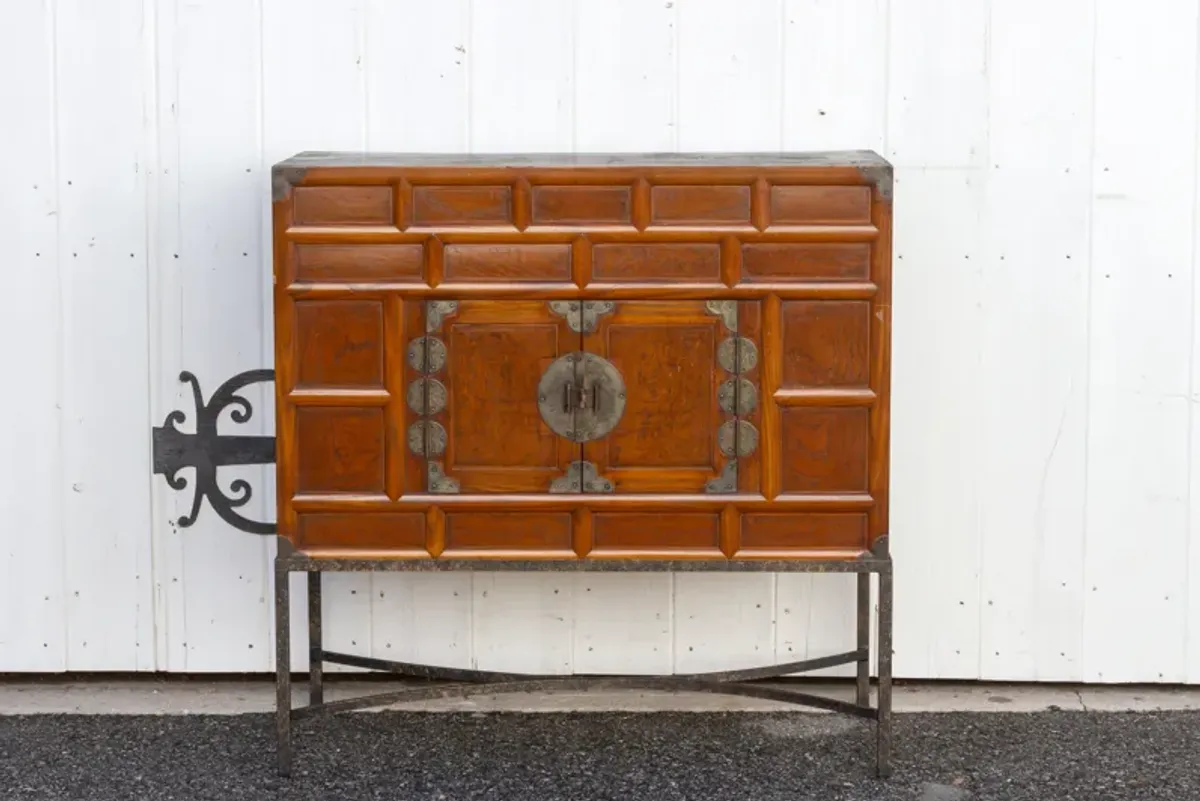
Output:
x=339 y=343
x=375 y=531
x=771 y=531
x=806 y=261
x=496 y=353
x=656 y=262
x=654 y=531
x=478 y=263
x=666 y=439
x=824 y=450
x=508 y=531
x=820 y=205
x=461 y=205
x=699 y=205
x=343 y=205
x=581 y=205
x=826 y=343
x=344 y=263
x=340 y=450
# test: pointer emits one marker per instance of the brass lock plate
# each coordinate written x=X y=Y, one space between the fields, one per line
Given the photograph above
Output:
x=581 y=396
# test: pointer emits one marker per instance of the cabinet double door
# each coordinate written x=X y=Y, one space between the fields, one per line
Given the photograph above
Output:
x=585 y=396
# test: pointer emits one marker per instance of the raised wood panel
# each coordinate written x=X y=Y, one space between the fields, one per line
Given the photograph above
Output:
x=462 y=205
x=343 y=205
x=631 y=532
x=824 y=450
x=339 y=343
x=820 y=205
x=359 y=263
x=506 y=263
x=496 y=353
x=340 y=450
x=636 y=263
x=368 y=531
x=508 y=532
x=805 y=261
x=700 y=205
x=666 y=440
x=826 y=343
x=582 y=205
x=790 y=531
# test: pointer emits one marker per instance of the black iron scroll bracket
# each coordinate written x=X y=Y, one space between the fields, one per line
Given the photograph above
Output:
x=207 y=449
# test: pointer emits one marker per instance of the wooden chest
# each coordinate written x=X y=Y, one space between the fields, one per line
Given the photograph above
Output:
x=581 y=357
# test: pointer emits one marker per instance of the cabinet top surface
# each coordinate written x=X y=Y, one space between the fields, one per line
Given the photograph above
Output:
x=820 y=158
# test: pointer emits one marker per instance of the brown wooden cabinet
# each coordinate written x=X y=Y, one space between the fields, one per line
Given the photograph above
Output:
x=583 y=362
x=558 y=356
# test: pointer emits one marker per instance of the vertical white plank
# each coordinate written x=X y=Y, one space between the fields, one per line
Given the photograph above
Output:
x=417 y=94
x=625 y=76
x=522 y=622
x=937 y=98
x=521 y=99
x=314 y=98
x=419 y=617
x=32 y=606
x=103 y=92
x=834 y=97
x=936 y=398
x=1035 y=324
x=625 y=100
x=730 y=75
x=835 y=75
x=730 y=79
x=522 y=75
x=211 y=258
x=1193 y=549
x=1141 y=326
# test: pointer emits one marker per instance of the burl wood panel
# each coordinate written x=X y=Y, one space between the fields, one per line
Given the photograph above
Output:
x=700 y=205
x=782 y=531
x=367 y=531
x=546 y=533
x=582 y=205
x=339 y=343
x=820 y=205
x=340 y=450
x=359 y=263
x=666 y=440
x=826 y=343
x=506 y=263
x=343 y=205
x=461 y=205
x=631 y=532
x=806 y=261
x=497 y=351
x=637 y=263
x=824 y=450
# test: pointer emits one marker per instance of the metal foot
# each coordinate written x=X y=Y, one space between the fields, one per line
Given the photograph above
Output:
x=283 y=675
x=883 y=755
x=316 y=687
x=862 y=684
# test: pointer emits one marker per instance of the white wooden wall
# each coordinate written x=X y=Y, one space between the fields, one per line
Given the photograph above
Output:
x=1046 y=498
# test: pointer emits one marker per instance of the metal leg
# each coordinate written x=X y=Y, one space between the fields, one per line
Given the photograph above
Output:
x=884 y=724
x=283 y=675
x=316 y=689
x=862 y=687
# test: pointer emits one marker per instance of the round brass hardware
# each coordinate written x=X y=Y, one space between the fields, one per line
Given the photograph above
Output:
x=430 y=401
x=746 y=396
x=740 y=439
x=581 y=396
x=427 y=354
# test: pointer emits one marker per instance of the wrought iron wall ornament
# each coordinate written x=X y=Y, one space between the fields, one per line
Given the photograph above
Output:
x=206 y=450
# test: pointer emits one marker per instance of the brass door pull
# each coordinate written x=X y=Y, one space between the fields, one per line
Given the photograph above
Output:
x=569 y=396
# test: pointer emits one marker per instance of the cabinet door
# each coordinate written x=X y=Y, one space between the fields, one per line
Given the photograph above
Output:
x=672 y=429
x=484 y=362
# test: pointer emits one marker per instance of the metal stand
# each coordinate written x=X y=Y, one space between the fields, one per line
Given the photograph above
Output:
x=461 y=683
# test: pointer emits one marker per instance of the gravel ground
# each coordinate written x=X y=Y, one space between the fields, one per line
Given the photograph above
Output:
x=740 y=756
